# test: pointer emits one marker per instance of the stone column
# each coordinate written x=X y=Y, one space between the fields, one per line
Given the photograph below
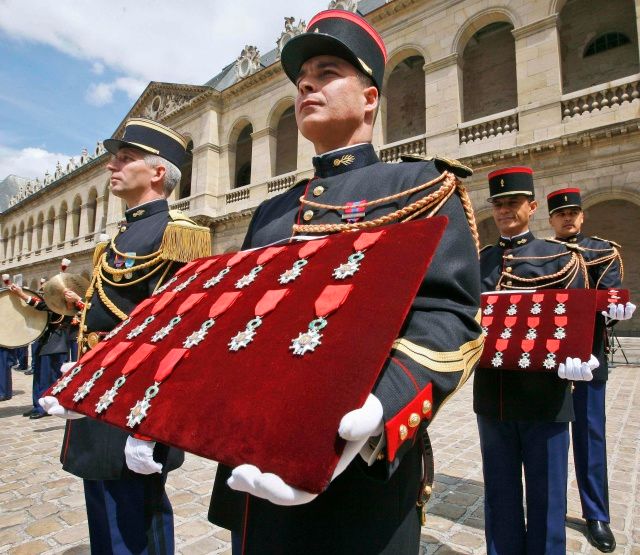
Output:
x=83 y=228
x=539 y=78
x=97 y=227
x=69 y=231
x=442 y=104
x=263 y=152
x=34 y=237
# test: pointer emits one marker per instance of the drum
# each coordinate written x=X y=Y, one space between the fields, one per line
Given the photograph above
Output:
x=53 y=291
x=21 y=324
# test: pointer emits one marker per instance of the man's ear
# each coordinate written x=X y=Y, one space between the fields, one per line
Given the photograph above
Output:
x=533 y=206
x=157 y=180
x=372 y=99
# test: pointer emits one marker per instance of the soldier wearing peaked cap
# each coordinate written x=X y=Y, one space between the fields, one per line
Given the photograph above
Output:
x=124 y=476
x=375 y=504
x=523 y=416
x=589 y=428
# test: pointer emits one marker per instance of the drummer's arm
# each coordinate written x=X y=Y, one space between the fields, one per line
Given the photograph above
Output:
x=74 y=299
x=35 y=302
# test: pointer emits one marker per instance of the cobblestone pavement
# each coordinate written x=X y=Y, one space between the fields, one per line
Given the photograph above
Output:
x=42 y=507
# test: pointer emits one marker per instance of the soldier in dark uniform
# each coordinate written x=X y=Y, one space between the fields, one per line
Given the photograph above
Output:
x=589 y=428
x=523 y=416
x=6 y=383
x=51 y=353
x=375 y=505
x=124 y=476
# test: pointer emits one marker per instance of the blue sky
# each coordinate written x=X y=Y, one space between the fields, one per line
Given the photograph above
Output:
x=71 y=70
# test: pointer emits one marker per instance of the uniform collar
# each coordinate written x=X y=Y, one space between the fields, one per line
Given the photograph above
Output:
x=517 y=241
x=147 y=209
x=343 y=160
x=572 y=239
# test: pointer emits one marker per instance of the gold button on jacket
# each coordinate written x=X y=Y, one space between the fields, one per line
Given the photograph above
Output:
x=308 y=215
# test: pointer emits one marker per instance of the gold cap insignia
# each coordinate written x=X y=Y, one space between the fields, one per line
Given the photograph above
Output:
x=566 y=199
x=366 y=68
x=344 y=160
x=502 y=183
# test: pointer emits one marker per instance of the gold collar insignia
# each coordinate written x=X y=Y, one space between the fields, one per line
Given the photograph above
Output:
x=345 y=160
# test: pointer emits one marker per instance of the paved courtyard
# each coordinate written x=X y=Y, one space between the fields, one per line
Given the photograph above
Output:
x=42 y=508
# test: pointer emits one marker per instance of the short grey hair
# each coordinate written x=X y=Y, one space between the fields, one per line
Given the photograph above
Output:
x=172 y=174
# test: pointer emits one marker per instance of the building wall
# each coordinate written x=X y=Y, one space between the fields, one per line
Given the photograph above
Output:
x=587 y=138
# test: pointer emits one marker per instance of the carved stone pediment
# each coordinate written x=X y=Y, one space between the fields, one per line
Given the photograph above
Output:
x=248 y=62
x=162 y=104
x=347 y=5
x=290 y=31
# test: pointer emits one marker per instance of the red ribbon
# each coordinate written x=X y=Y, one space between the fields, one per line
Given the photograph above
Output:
x=269 y=254
x=492 y=299
x=269 y=301
x=515 y=299
x=206 y=264
x=168 y=363
x=238 y=257
x=311 y=247
x=487 y=321
x=144 y=304
x=141 y=354
x=165 y=299
x=553 y=345
x=367 y=240
x=533 y=321
x=501 y=344
x=189 y=302
x=562 y=297
x=223 y=302
x=93 y=352
x=509 y=321
x=537 y=297
x=527 y=345
x=331 y=298
x=115 y=352
x=560 y=321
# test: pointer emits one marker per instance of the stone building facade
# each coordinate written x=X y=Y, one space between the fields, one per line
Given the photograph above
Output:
x=552 y=84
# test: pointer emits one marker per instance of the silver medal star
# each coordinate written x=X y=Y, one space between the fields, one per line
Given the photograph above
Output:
x=246 y=280
x=496 y=361
x=531 y=333
x=488 y=309
x=138 y=413
x=83 y=390
x=560 y=309
x=506 y=333
x=106 y=399
x=135 y=332
x=559 y=333
x=346 y=270
x=216 y=279
x=305 y=342
x=485 y=330
x=161 y=333
x=512 y=310
x=536 y=308
x=241 y=339
x=195 y=338
x=525 y=361
x=184 y=285
x=550 y=362
x=115 y=330
x=166 y=285
x=289 y=275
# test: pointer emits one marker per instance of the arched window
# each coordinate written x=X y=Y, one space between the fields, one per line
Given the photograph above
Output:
x=597 y=45
x=184 y=190
x=286 y=143
x=405 y=106
x=606 y=42
x=76 y=212
x=489 y=83
x=244 y=148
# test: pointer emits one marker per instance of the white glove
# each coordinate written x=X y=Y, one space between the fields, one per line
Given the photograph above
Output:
x=619 y=312
x=139 y=456
x=356 y=427
x=67 y=366
x=52 y=406
x=576 y=370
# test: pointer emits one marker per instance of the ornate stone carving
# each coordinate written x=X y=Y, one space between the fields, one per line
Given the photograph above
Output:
x=347 y=5
x=290 y=31
x=248 y=62
x=162 y=105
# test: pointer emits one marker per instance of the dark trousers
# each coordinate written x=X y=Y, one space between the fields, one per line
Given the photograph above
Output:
x=541 y=448
x=129 y=516
x=46 y=372
x=590 y=448
x=6 y=386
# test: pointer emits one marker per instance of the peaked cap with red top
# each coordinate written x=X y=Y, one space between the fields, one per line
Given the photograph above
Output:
x=505 y=182
x=564 y=198
x=342 y=34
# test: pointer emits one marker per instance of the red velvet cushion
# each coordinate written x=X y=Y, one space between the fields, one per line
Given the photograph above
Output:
x=263 y=404
x=513 y=326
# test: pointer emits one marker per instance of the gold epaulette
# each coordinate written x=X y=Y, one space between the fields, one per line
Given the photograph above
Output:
x=101 y=247
x=184 y=240
x=612 y=243
x=442 y=164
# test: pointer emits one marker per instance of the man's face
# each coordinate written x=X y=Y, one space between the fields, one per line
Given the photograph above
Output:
x=512 y=214
x=332 y=99
x=566 y=222
x=130 y=176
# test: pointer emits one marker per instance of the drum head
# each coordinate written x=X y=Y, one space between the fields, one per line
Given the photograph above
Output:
x=21 y=324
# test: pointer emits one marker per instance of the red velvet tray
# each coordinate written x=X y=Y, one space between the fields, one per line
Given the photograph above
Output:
x=535 y=331
x=262 y=404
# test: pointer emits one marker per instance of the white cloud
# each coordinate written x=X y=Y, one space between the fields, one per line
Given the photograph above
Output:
x=29 y=162
x=100 y=94
x=97 y=68
x=184 y=41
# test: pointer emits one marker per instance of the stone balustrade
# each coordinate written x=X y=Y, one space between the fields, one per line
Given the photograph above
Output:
x=606 y=96
x=416 y=146
x=485 y=128
x=242 y=193
x=281 y=183
x=183 y=205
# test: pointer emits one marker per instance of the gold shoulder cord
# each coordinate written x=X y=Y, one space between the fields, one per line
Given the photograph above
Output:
x=432 y=203
x=565 y=275
x=612 y=255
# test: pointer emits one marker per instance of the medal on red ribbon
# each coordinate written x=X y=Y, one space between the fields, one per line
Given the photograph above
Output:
x=265 y=305
x=221 y=305
x=64 y=382
x=165 y=330
x=331 y=298
x=354 y=211
x=235 y=259
x=525 y=359
x=552 y=348
x=134 y=361
x=509 y=322
x=498 y=357
x=268 y=255
x=561 y=298
x=109 y=358
x=532 y=322
x=140 y=410
x=513 y=307
x=536 y=307
x=486 y=323
x=561 y=324
x=491 y=300
x=186 y=282
x=360 y=245
x=305 y=252
x=135 y=332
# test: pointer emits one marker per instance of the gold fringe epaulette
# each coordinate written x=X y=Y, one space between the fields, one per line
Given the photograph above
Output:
x=442 y=164
x=100 y=249
x=183 y=240
x=612 y=243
